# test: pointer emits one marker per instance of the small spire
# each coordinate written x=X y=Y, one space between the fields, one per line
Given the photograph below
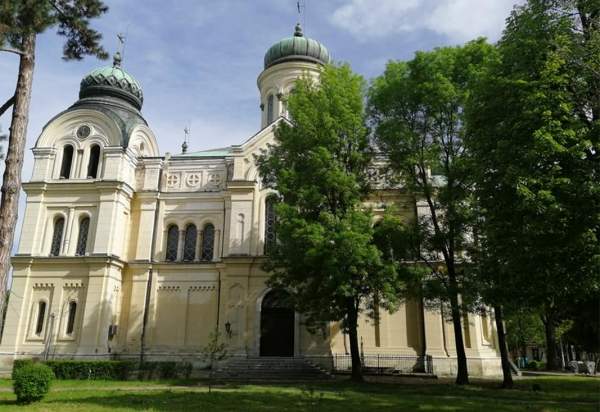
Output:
x=117 y=60
x=298 y=31
x=184 y=145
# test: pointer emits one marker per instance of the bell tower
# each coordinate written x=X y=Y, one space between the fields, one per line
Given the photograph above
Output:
x=286 y=61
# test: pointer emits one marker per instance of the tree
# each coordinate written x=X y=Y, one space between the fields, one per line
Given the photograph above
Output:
x=533 y=123
x=324 y=255
x=417 y=110
x=214 y=351
x=20 y=23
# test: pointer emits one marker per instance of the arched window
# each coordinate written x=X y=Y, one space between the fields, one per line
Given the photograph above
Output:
x=59 y=226
x=189 y=246
x=172 y=243
x=92 y=171
x=270 y=109
x=208 y=242
x=84 y=227
x=71 y=318
x=67 y=159
x=41 y=315
x=270 y=237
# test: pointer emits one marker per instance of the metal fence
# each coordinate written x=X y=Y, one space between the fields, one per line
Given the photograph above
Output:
x=376 y=363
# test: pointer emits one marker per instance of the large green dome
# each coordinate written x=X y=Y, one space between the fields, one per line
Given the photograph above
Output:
x=112 y=81
x=297 y=48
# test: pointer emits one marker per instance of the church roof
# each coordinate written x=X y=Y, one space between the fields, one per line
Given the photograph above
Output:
x=297 y=48
x=112 y=81
x=219 y=152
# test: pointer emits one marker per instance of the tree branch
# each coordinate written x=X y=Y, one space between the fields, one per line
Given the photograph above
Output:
x=10 y=50
x=6 y=105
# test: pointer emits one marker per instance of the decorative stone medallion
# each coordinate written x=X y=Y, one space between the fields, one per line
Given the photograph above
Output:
x=193 y=179
x=172 y=180
x=214 y=179
x=83 y=131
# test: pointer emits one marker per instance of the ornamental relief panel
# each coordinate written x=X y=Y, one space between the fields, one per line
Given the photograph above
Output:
x=194 y=181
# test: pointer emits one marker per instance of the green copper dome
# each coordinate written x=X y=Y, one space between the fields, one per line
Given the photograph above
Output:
x=112 y=81
x=297 y=48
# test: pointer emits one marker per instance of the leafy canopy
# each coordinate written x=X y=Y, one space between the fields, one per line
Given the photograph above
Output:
x=325 y=253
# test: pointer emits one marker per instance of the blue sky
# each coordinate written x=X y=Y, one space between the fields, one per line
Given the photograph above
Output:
x=198 y=60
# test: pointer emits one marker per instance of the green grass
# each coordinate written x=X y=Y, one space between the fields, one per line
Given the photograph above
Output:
x=556 y=394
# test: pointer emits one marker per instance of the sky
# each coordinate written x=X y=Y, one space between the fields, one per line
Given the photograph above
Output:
x=198 y=60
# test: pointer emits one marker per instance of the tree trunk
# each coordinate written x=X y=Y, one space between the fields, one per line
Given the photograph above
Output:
x=550 y=330
x=462 y=375
x=354 y=350
x=11 y=182
x=507 y=380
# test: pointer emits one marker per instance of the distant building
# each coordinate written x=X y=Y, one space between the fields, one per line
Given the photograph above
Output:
x=124 y=250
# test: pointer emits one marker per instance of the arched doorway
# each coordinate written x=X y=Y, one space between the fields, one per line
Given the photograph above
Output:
x=276 y=325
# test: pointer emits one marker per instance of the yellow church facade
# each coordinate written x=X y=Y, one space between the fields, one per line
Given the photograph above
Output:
x=126 y=252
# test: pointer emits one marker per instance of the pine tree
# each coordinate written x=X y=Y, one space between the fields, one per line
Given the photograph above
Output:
x=20 y=23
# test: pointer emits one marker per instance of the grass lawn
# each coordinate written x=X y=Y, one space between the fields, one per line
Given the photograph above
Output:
x=553 y=394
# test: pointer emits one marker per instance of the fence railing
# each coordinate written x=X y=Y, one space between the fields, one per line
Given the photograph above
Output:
x=376 y=363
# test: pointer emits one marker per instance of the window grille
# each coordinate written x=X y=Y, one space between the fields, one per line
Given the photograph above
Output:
x=172 y=243
x=270 y=237
x=84 y=227
x=208 y=241
x=189 y=247
x=57 y=235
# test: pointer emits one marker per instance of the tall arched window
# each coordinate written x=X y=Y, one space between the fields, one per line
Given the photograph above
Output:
x=71 y=318
x=270 y=108
x=67 y=159
x=94 y=161
x=189 y=246
x=59 y=226
x=84 y=227
x=41 y=316
x=172 y=243
x=270 y=237
x=208 y=242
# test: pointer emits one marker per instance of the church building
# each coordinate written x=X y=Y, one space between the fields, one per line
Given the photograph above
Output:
x=125 y=251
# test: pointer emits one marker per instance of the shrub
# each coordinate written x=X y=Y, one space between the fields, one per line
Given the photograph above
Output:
x=19 y=363
x=164 y=370
x=72 y=369
x=31 y=382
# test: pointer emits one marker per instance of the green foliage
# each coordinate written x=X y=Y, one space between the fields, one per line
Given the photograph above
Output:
x=215 y=350
x=533 y=122
x=19 y=363
x=74 y=369
x=31 y=382
x=325 y=254
x=524 y=328
x=164 y=370
x=21 y=17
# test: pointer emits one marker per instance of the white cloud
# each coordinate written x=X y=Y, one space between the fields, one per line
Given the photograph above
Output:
x=458 y=20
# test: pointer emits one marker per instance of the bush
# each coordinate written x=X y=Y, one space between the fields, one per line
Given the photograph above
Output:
x=111 y=370
x=164 y=370
x=19 y=363
x=31 y=382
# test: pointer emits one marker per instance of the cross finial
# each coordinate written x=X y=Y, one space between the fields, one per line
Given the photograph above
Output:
x=301 y=6
x=118 y=57
x=184 y=146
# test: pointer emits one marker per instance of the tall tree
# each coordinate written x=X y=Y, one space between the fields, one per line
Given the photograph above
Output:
x=533 y=131
x=417 y=110
x=20 y=23
x=324 y=254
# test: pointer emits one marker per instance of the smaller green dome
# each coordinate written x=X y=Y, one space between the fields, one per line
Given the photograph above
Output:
x=297 y=48
x=112 y=81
